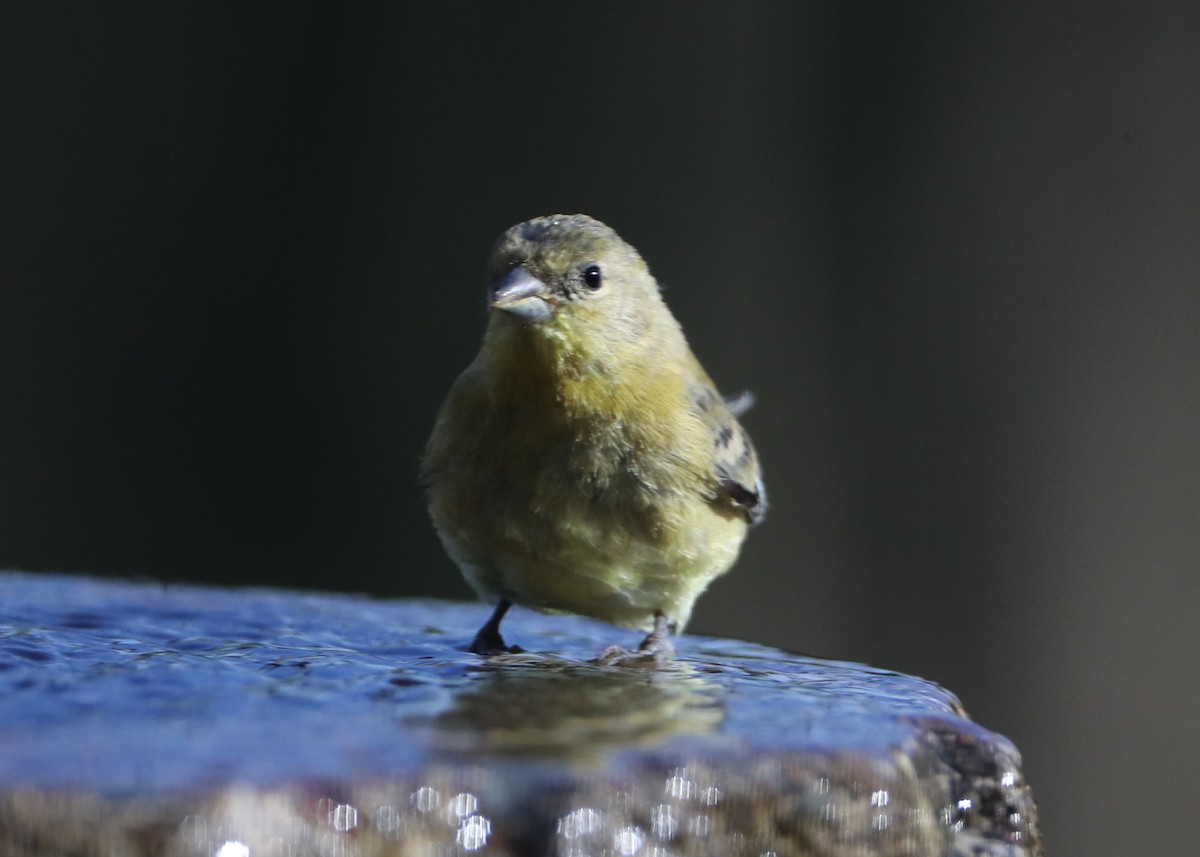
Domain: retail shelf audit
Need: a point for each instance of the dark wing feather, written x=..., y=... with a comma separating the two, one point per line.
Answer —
x=735, y=463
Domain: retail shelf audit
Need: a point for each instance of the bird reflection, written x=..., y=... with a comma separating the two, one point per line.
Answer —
x=540, y=706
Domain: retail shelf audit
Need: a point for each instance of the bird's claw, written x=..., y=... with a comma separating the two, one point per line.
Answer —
x=488, y=644
x=656, y=650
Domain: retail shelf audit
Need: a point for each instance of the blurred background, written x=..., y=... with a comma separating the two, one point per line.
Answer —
x=952, y=247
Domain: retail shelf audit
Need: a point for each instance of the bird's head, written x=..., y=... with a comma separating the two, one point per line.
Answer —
x=573, y=283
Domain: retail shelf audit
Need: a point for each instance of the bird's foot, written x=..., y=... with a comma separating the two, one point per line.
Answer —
x=656, y=650
x=488, y=641
x=488, y=644
x=615, y=656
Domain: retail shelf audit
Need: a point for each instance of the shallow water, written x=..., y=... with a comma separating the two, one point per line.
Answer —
x=142, y=687
x=204, y=717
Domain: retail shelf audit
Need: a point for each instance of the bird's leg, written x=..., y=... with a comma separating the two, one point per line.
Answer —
x=655, y=650
x=658, y=642
x=488, y=641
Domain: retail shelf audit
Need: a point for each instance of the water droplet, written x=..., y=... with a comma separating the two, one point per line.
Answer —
x=628, y=840
x=474, y=832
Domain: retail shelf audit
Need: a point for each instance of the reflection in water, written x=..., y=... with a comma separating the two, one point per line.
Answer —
x=537, y=706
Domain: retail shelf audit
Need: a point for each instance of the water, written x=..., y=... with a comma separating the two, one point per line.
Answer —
x=135, y=690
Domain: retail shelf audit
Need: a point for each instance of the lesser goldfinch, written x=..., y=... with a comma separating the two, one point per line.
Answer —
x=584, y=462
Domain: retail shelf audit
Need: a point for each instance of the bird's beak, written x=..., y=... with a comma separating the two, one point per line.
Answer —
x=523, y=294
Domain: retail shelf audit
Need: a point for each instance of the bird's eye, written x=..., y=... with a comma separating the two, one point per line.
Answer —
x=591, y=277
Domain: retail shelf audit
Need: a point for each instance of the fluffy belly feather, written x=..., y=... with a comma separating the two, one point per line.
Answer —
x=600, y=563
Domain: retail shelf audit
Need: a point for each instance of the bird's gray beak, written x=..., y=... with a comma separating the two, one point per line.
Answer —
x=523, y=294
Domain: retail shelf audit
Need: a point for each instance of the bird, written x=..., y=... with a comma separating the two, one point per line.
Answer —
x=584, y=461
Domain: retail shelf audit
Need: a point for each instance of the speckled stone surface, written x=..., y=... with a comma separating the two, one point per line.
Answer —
x=140, y=719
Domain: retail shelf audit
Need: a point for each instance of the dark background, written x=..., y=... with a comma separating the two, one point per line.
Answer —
x=952, y=247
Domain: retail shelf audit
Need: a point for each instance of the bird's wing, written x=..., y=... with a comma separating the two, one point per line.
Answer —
x=735, y=463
